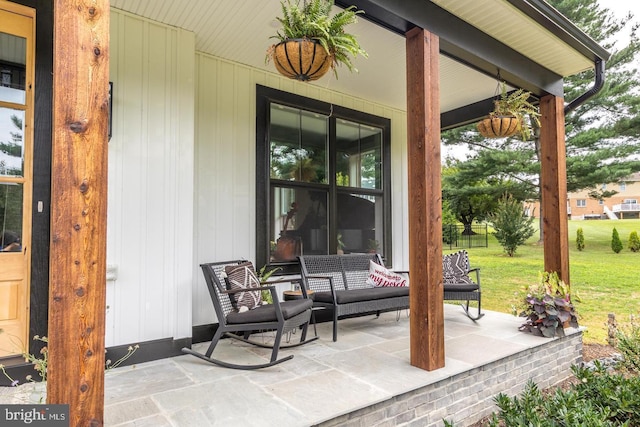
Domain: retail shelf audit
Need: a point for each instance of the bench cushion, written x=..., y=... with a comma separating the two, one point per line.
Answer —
x=461, y=287
x=267, y=312
x=364, y=294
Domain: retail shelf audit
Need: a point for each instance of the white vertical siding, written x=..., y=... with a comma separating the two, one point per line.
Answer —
x=150, y=212
x=182, y=175
x=225, y=164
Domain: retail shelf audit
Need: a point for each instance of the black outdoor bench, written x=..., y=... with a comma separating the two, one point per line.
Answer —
x=340, y=283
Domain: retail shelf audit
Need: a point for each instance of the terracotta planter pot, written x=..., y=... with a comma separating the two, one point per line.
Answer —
x=499, y=127
x=301, y=59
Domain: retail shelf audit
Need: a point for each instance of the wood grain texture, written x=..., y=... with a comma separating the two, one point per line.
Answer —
x=425, y=200
x=553, y=179
x=79, y=208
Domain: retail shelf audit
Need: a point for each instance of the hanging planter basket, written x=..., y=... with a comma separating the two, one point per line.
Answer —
x=499, y=126
x=301, y=59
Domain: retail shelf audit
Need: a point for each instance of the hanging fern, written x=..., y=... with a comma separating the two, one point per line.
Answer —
x=312, y=21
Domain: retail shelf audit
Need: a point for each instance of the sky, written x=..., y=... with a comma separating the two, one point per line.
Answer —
x=620, y=7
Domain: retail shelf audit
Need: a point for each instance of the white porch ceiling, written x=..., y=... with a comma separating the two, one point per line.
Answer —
x=239, y=31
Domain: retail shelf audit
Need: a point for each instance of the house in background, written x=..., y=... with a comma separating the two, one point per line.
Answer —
x=623, y=205
x=199, y=123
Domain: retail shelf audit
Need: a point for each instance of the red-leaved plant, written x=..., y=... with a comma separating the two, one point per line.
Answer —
x=547, y=306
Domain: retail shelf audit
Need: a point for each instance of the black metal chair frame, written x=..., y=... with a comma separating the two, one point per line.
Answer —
x=465, y=292
x=220, y=296
x=343, y=273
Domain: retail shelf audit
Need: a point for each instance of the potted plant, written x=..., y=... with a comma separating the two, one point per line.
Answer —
x=263, y=275
x=509, y=115
x=547, y=306
x=340, y=250
x=311, y=42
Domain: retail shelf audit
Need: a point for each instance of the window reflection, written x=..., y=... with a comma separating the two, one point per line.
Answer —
x=13, y=60
x=10, y=216
x=298, y=145
x=360, y=222
x=299, y=223
x=359, y=155
x=11, y=142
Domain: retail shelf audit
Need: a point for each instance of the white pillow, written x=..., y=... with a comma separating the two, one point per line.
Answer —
x=379, y=276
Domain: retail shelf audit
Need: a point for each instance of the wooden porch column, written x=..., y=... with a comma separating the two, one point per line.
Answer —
x=79, y=209
x=553, y=178
x=425, y=200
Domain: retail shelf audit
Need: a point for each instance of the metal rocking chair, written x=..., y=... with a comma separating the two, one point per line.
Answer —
x=281, y=317
x=457, y=282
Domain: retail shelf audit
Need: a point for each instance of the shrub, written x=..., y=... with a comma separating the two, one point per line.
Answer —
x=616, y=243
x=512, y=226
x=629, y=345
x=533, y=408
x=634, y=242
x=615, y=396
x=580, y=239
x=600, y=398
x=449, y=224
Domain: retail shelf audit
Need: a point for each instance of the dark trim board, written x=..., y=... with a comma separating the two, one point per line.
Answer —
x=147, y=351
x=19, y=373
x=203, y=333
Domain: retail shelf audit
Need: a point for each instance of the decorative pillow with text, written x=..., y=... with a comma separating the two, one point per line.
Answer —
x=379, y=276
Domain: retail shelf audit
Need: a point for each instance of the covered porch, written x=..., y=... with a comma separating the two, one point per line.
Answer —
x=182, y=182
x=363, y=379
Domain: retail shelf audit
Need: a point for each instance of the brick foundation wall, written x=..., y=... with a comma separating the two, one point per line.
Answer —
x=468, y=397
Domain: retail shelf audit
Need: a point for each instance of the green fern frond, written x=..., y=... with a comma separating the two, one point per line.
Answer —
x=313, y=21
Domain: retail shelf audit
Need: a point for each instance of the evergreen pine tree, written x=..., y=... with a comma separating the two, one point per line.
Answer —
x=616, y=243
x=580, y=239
x=634, y=242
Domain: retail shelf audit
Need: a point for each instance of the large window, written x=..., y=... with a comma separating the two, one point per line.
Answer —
x=322, y=179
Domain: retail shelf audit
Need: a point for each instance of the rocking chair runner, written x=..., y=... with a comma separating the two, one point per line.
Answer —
x=458, y=285
x=281, y=317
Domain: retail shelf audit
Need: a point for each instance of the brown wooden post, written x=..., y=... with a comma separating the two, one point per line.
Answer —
x=553, y=178
x=425, y=200
x=79, y=209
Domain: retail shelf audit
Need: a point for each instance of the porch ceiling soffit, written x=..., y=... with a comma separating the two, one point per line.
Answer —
x=532, y=51
x=528, y=41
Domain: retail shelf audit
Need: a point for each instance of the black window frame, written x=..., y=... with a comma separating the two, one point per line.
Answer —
x=265, y=96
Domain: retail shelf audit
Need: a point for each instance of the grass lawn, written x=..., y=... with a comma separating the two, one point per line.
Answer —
x=606, y=282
